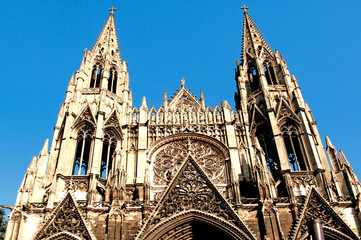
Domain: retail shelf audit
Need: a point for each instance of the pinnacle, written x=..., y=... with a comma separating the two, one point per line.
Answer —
x=343, y=158
x=329, y=143
x=144, y=102
x=44, y=150
x=32, y=165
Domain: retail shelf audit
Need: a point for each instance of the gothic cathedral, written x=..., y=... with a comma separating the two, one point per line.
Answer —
x=186, y=170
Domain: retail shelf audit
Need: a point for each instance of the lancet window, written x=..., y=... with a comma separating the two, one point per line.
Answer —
x=96, y=76
x=270, y=74
x=83, y=149
x=112, y=80
x=109, y=145
x=266, y=140
x=295, y=152
x=253, y=77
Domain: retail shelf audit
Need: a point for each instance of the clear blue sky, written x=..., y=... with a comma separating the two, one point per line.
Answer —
x=42, y=44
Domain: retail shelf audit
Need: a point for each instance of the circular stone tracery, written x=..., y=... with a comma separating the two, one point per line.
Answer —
x=169, y=158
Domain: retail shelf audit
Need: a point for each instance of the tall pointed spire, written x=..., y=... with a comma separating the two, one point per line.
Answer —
x=107, y=41
x=253, y=43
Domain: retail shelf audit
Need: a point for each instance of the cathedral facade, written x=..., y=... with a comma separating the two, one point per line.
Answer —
x=186, y=170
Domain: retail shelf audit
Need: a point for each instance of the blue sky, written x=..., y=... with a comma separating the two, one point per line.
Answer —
x=42, y=44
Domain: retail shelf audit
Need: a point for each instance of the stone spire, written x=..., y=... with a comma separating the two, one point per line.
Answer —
x=107, y=41
x=252, y=40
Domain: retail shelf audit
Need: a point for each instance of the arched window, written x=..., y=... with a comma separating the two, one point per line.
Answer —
x=99, y=75
x=109, y=144
x=93, y=77
x=270, y=74
x=96, y=76
x=83, y=148
x=253, y=77
x=266, y=140
x=112, y=80
x=295, y=153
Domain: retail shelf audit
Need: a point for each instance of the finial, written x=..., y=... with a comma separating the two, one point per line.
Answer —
x=183, y=82
x=244, y=8
x=112, y=9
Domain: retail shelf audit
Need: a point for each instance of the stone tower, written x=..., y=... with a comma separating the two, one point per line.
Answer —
x=186, y=170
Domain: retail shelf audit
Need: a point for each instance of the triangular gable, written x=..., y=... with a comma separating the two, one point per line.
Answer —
x=186, y=99
x=113, y=122
x=86, y=115
x=316, y=207
x=66, y=219
x=257, y=117
x=191, y=189
x=285, y=111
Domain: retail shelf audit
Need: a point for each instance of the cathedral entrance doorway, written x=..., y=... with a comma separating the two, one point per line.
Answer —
x=195, y=225
x=195, y=230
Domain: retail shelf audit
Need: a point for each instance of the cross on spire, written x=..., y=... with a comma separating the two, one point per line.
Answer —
x=244, y=8
x=112, y=9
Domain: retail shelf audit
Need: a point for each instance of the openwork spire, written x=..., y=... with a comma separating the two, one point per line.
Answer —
x=253, y=43
x=107, y=41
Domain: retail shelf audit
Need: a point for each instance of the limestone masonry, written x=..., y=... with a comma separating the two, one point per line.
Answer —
x=186, y=170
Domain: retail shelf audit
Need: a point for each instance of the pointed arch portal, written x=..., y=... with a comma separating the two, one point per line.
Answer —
x=194, y=225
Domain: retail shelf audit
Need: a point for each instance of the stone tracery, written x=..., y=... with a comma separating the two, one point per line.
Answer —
x=168, y=159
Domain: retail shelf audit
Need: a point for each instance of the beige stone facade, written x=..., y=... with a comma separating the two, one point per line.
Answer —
x=186, y=170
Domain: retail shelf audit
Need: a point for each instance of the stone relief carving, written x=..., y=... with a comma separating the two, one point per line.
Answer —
x=65, y=218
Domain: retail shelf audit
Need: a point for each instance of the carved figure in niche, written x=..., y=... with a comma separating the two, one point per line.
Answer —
x=218, y=117
x=201, y=117
x=177, y=117
x=161, y=117
x=170, y=117
x=210, y=117
x=185, y=117
x=194, y=117
x=134, y=118
x=152, y=118
x=236, y=117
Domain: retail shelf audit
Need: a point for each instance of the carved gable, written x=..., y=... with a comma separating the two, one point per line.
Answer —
x=65, y=220
x=284, y=112
x=189, y=190
x=257, y=117
x=316, y=207
x=112, y=122
x=184, y=101
x=86, y=115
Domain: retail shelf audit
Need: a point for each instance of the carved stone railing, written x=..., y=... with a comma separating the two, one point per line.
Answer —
x=281, y=200
x=101, y=204
x=131, y=204
x=76, y=182
x=247, y=201
x=91, y=91
x=82, y=203
x=344, y=198
x=304, y=178
x=277, y=87
x=37, y=205
x=113, y=96
x=217, y=131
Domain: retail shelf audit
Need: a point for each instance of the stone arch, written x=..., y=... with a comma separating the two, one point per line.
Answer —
x=184, y=136
x=63, y=235
x=173, y=225
x=329, y=234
